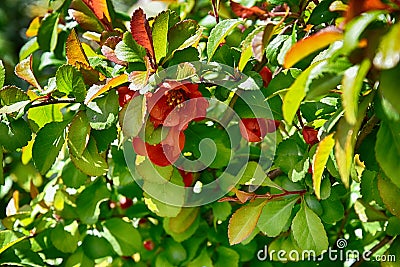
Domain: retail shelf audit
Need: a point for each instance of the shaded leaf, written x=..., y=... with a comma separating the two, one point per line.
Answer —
x=90, y=162
x=72, y=177
x=133, y=117
x=355, y=8
x=63, y=240
x=244, y=221
x=24, y=71
x=48, y=143
x=308, y=231
x=389, y=87
x=387, y=150
x=246, y=12
x=78, y=134
x=218, y=34
x=183, y=220
x=320, y=159
x=48, y=32
x=390, y=194
x=15, y=134
x=311, y=44
x=89, y=200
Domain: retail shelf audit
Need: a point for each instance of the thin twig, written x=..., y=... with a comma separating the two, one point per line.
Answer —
x=54, y=101
x=386, y=240
x=366, y=130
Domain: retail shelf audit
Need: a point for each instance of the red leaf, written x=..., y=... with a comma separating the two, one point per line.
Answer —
x=141, y=33
x=100, y=10
x=246, y=12
x=356, y=7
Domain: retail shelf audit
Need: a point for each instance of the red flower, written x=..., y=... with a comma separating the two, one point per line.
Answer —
x=164, y=153
x=310, y=135
x=266, y=75
x=255, y=129
x=175, y=104
x=187, y=177
x=125, y=95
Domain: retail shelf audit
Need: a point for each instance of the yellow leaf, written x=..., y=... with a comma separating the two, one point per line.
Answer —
x=313, y=43
x=33, y=27
x=74, y=50
x=97, y=90
x=24, y=71
x=321, y=157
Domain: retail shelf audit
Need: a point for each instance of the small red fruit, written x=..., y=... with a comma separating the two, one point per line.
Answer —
x=125, y=95
x=255, y=129
x=125, y=202
x=266, y=75
x=187, y=177
x=310, y=135
x=148, y=245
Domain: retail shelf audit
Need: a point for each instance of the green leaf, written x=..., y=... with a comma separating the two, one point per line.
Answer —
x=322, y=14
x=296, y=93
x=356, y=27
x=105, y=137
x=246, y=48
x=11, y=94
x=389, y=87
x=351, y=87
x=203, y=260
x=46, y=114
x=64, y=240
x=390, y=194
x=162, y=23
x=129, y=50
x=218, y=34
x=369, y=183
x=9, y=238
x=90, y=162
x=308, y=231
x=103, y=111
x=153, y=173
x=244, y=221
x=345, y=139
x=187, y=234
x=183, y=35
x=78, y=134
x=183, y=220
x=393, y=227
x=28, y=48
x=133, y=116
x=47, y=145
x=333, y=210
x=96, y=247
x=123, y=237
x=79, y=259
x=387, y=150
x=72, y=177
x=88, y=202
x=175, y=252
x=1, y=167
x=221, y=210
x=160, y=208
x=227, y=257
x=70, y=81
x=388, y=54
x=300, y=169
x=275, y=216
x=288, y=154
x=48, y=32
x=320, y=159
x=2, y=74
x=14, y=135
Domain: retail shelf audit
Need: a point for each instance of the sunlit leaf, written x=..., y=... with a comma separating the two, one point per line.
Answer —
x=244, y=221
x=162, y=23
x=70, y=81
x=351, y=86
x=33, y=27
x=85, y=17
x=24, y=71
x=129, y=50
x=100, y=10
x=74, y=50
x=308, y=230
x=97, y=90
x=218, y=34
x=182, y=35
x=246, y=48
x=388, y=54
x=103, y=111
x=311, y=44
x=324, y=149
x=48, y=32
x=90, y=162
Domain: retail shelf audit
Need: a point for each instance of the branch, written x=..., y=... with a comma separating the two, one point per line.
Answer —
x=228, y=115
x=274, y=173
x=54, y=101
x=386, y=240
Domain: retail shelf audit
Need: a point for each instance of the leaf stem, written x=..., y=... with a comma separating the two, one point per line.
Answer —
x=366, y=130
